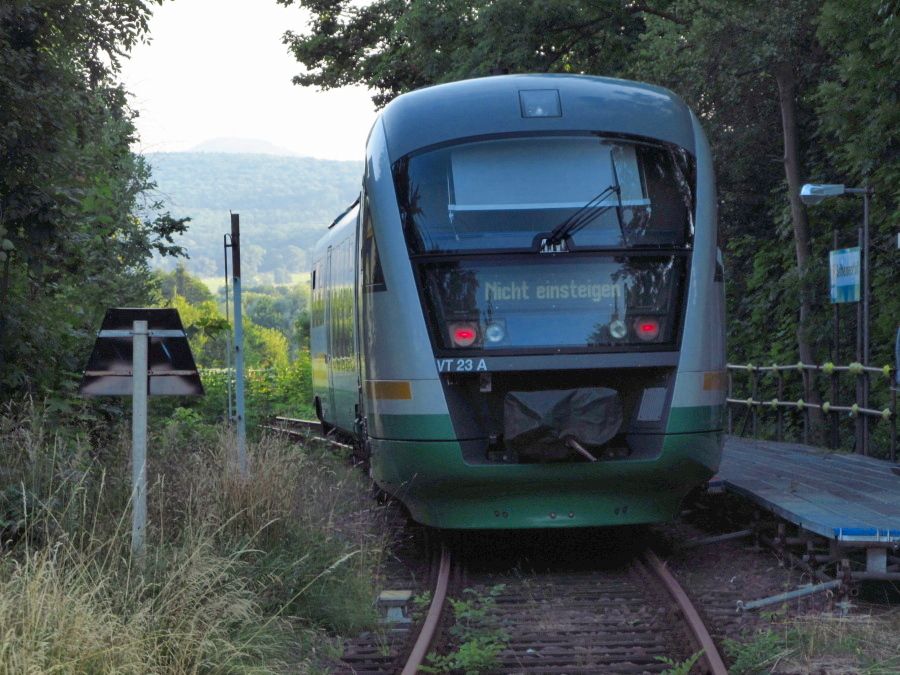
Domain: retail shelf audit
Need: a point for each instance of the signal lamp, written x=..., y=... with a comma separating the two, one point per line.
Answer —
x=647, y=328
x=495, y=332
x=463, y=334
x=617, y=329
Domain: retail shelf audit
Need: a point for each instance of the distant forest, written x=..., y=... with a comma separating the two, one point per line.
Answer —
x=285, y=204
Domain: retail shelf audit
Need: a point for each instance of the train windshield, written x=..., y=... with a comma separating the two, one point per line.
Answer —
x=523, y=193
x=577, y=302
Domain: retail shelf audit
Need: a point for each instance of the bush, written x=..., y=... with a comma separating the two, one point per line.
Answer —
x=286, y=390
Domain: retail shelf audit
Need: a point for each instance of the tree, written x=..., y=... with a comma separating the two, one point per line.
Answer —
x=748, y=68
x=393, y=46
x=859, y=122
x=183, y=283
x=70, y=243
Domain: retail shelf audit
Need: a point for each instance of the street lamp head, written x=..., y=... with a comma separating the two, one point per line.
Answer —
x=811, y=194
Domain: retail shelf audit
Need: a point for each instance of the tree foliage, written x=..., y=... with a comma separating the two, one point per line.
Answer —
x=180, y=282
x=70, y=244
x=393, y=46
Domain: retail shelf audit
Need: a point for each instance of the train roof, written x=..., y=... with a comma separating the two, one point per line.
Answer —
x=342, y=227
x=492, y=105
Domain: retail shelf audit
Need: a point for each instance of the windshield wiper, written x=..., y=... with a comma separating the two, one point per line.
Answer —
x=618, y=189
x=590, y=212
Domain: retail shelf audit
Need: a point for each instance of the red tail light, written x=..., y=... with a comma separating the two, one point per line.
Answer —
x=646, y=328
x=463, y=334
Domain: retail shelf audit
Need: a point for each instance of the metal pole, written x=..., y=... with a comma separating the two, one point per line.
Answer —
x=865, y=299
x=835, y=354
x=139, y=438
x=238, y=343
x=790, y=595
x=230, y=407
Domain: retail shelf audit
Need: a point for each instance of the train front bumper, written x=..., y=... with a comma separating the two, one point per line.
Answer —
x=442, y=490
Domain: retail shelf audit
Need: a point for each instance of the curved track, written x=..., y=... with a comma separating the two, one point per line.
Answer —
x=623, y=619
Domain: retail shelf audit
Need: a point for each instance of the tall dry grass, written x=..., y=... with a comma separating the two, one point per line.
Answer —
x=240, y=572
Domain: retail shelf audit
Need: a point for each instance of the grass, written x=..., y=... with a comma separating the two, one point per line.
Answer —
x=858, y=644
x=241, y=575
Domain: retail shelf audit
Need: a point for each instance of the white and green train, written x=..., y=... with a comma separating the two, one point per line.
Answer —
x=520, y=323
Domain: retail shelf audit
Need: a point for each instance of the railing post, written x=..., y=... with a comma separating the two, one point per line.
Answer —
x=730, y=406
x=835, y=417
x=804, y=376
x=894, y=419
x=865, y=404
x=860, y=433
x=779, y=412
x=754, y=387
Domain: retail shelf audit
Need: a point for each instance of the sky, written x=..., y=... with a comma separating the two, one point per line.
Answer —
x=217, y=68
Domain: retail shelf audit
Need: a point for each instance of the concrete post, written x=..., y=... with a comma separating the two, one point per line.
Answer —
x=140, y=344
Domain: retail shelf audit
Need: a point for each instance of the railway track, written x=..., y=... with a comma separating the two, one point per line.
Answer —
x=300, y=429
x=621, y=620
x=624, y=617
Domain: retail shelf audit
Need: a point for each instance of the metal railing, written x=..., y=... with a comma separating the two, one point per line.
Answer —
x=806, y=407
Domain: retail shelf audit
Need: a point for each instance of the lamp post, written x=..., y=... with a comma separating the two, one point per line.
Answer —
x=812, y=194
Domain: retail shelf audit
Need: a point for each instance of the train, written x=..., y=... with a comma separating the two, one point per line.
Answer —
x=520, y=321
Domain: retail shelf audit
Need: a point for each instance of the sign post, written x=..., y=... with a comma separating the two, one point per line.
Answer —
x=139, y=438
x=140, y=352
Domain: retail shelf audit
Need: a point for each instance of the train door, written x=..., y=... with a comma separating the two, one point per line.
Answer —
x=328, y=403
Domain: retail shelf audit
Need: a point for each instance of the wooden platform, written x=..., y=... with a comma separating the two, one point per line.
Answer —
x=847, y=498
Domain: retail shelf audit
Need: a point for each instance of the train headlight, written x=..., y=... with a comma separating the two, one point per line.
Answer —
x=463, y=334
x=617, y=329
x=646, y=328
x=495, y=332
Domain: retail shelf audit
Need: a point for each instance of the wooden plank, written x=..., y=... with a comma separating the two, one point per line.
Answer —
x=872, y=471
x=830, y=469
x=795, y=488
x=881, y=502
x=830, y=494
x=869, y=468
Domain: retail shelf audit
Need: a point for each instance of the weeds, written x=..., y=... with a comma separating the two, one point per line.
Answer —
x=679, y=667
x=242, y=575
x=480, y=637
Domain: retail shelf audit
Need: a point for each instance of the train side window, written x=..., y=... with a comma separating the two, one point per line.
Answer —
x=317, y=310
x=373, y=275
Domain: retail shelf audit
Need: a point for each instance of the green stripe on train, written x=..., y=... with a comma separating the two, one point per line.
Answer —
x=684, y=420
x=412, y=427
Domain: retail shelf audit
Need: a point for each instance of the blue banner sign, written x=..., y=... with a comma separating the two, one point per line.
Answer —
x=845, y=275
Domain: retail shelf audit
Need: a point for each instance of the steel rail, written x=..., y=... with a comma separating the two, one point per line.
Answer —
x=710, y=654
x=429, y=627
x=309, y=431
x=292, y=421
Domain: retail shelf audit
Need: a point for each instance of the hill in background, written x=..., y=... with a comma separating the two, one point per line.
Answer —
x=246, y=146
x=286, y=203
